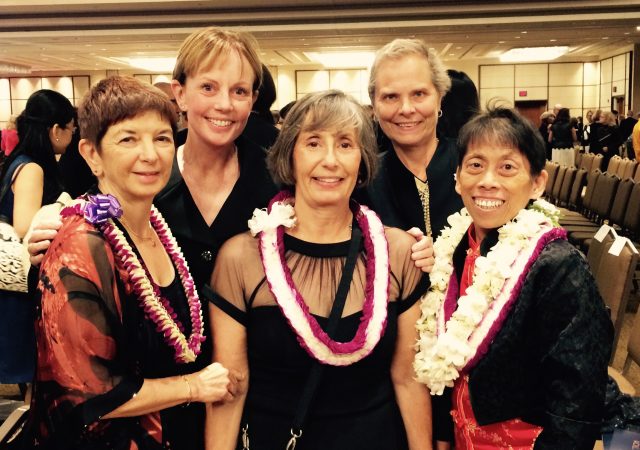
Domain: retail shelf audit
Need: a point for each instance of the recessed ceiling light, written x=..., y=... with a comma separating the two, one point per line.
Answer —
x=552, y=40
x=533, y=54
x=501, y=42
x=605, y=37
x=517, y=37
x=637, y=28
x=458, y=48
x=523, y=32
x=452, y=54
x=628, y=32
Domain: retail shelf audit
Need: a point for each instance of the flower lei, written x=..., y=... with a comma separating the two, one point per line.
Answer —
x=446, y=349
x=99, y=210
x=269, y=226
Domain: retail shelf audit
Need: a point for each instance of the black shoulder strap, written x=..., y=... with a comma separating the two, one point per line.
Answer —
x=334, y=317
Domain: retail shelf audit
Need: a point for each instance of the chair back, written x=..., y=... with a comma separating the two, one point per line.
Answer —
x=552, y=170
x=614, y=276
x=631, y=221
x=596, y=162
x=579, y=181
x=592, y=181
x=614, y=163
x=567, y=183
x=629, y=169
x=12, y=426
x=557, y=184
x=636, y=174
x=604, y=194
x=586, y=161
x=620, y=201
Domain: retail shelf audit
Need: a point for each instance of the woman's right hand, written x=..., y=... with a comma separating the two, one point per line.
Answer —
x=215, y=383
x=40, y=239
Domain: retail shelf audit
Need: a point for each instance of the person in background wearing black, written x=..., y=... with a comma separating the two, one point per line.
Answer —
x=260, y=127
x=458, y=105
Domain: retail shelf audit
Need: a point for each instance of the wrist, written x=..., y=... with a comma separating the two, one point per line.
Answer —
x=189, y=390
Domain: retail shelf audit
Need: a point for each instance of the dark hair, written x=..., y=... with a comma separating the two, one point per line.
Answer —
x=458, y=105
x=563, y=116
x=266, y=96
x=285, y=110
x=317, y=111
x=44, y=109
x=119, y=98
x=506, y=127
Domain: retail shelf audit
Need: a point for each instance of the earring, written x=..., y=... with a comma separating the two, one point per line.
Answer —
x=57, y=139
x=439, y=113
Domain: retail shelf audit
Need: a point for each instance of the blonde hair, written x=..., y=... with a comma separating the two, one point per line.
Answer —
x=330, y=109
x=608, y=118
x=400, y=48
x=203, y=47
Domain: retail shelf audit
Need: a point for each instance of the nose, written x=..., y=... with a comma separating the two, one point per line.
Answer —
x=330, y=159
x=406, y=105
x=488, y=180
x=222, y=101
x=148, y=151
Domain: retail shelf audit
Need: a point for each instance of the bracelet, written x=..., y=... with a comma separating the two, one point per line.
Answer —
x=186, y=380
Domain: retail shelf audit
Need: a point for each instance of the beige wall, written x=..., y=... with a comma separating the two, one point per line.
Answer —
x=579, y=86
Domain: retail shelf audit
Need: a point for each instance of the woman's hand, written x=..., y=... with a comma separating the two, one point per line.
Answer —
x=40, y=239
x=605, y=149
x=422, y=250
x=214, y=383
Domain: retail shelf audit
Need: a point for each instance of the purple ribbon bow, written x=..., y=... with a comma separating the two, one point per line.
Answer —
x=101, y=207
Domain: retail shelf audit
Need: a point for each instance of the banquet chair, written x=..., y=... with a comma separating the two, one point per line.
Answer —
x=13, y=424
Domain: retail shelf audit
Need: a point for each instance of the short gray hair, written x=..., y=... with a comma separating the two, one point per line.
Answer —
x=399, y=48
x=317, y=111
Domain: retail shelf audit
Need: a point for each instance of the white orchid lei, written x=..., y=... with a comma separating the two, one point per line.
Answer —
x=446, y=349
x=269, y=227
x=100, y=210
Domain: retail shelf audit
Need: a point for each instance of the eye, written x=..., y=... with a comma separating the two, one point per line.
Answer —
x=165, y=139
x=389, y=97
x=243, y=92
x=127, y=140
x=207, y=87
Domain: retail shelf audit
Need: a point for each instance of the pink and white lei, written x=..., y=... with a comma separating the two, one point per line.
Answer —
x=269, y=226
x=444, y=349
x=99, y=210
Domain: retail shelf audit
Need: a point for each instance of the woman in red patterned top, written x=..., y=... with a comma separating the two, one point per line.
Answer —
x=120, y=321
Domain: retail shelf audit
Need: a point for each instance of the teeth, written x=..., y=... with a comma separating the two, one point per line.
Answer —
x=407, y=124
x=328, y=180
x=489, y=204
x=220, y=123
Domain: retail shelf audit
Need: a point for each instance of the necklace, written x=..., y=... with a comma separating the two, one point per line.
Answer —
x=423, y=193
x=151, y=238
x=445, y=349
x=99, y=210
x=269, y=227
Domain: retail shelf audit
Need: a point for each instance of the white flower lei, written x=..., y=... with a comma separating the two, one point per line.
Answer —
x=269, y=228
x=443, y=349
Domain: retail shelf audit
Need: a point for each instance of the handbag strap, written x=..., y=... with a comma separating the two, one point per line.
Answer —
x=315, y=373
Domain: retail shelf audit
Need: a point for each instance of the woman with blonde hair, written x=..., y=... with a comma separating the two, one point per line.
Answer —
x=608, y=138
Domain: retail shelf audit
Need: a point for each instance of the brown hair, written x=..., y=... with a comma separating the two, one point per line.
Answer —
x=399, y=48
x=119, y=98
x=331, y=109
x=203, y=47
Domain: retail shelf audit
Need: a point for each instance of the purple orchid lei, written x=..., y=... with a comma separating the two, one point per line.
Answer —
x=99, y=210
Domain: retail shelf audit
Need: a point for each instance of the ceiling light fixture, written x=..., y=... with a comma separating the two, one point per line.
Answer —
x=533, y=54
x=151, y=64
x=342, y=59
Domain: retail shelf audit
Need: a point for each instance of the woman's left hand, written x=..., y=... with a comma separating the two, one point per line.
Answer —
x=422, y=250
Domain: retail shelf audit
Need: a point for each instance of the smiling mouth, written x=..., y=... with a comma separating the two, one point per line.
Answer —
x=327, y=180
x=220, y=123
x=487, y=204
x=407, y=124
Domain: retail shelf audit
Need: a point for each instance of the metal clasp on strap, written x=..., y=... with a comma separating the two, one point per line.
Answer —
x=245, y=437
x=291, y=445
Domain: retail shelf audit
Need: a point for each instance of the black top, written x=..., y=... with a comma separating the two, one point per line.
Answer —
x=561, y=135
x=548, y=363
x=354, y=406
x=394, y=196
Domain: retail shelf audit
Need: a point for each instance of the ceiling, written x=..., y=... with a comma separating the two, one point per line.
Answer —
x=70, y=35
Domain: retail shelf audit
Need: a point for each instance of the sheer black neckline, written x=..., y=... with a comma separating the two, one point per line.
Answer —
x=313, y=249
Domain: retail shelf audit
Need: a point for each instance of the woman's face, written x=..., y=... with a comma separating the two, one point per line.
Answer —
x=135, y=159
x=495, y=183
x=406, y=101
x=326, y=164
x=61, y=137
x=218, y=100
